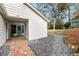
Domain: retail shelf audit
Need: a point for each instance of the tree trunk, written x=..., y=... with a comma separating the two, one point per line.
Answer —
x=54, y=24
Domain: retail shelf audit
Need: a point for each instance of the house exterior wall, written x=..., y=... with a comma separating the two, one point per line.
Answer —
x=75, y=24
x=17, y=10
x=2, y=31
x=37, y=26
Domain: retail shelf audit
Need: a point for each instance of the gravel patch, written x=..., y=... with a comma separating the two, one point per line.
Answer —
x=50, y=46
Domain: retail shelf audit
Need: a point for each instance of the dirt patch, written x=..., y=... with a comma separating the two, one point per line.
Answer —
x=56, y=32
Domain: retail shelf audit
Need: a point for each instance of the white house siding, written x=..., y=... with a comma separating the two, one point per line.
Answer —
x=37, y=28
x=2, y=31
x=37, y=25
x=17, y=10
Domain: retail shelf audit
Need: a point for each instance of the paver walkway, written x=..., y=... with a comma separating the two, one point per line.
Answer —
x=50, y=46
x=19, y=47
x=16, y=46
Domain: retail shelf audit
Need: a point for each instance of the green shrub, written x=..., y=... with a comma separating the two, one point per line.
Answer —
x=50, y=26
x=67, y=25
x=59, y=24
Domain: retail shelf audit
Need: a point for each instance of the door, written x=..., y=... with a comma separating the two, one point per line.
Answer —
x=19, y=30
x=13, y=30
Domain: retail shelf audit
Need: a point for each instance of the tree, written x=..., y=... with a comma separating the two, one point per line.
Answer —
x=58, y=8
x=50, y=26
x=59, y=24
x=62, y=6
x=52, y=10
x=67, y=25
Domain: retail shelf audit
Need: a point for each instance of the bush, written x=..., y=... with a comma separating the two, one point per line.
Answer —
x=67, y=25
x=72, y=39
x=50, y=26
x=59, y=24
x=72, y=27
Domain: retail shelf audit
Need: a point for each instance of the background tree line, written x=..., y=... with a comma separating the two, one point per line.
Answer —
x=56, y=13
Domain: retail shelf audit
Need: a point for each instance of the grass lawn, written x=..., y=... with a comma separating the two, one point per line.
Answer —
x=56, y=32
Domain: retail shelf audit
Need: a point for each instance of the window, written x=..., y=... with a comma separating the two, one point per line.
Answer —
x=22, y=28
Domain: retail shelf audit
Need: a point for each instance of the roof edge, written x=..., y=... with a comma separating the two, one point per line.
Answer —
x=36, y=11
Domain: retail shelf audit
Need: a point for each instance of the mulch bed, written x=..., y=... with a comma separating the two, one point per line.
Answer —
x=72, y=39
